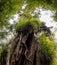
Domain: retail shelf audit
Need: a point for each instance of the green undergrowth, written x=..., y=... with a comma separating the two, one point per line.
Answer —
x=48, y=46
x=3, y=53
x=3, y=49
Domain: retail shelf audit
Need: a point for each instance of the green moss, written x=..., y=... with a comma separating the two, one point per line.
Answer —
x=24, y=22
x=48, y=46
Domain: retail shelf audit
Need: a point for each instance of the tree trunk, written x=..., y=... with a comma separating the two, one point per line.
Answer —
x=26, y=50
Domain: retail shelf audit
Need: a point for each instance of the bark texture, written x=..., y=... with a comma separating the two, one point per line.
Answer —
x=25, y=50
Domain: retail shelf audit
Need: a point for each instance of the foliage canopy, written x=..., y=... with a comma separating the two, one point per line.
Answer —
x=11, y=7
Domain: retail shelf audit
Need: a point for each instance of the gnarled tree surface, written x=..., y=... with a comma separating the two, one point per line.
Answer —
x=25, y=50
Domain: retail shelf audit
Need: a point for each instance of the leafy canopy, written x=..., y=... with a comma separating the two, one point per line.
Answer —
x=11, y=7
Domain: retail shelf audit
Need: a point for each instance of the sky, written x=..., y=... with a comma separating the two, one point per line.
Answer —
x=46, y=16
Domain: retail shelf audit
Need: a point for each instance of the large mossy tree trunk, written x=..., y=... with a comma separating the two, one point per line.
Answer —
x=26, y=50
